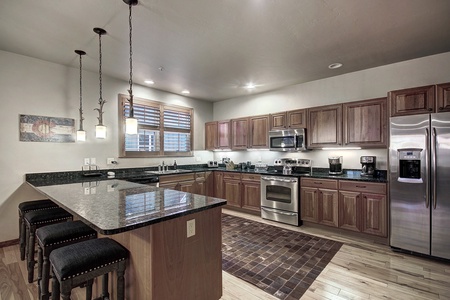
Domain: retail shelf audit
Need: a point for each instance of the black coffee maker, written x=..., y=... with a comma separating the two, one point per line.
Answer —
x=368, y=166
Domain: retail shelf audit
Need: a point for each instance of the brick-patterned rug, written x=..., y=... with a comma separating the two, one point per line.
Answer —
x=281, y=262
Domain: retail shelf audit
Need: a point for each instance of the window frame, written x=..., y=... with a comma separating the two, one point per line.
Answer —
x=162, y=106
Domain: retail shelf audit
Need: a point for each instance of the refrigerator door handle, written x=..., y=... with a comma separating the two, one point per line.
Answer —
x=427, y=184
x=434, y=167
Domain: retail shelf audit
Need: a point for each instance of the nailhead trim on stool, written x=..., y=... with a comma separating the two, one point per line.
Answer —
x=25, y=207
x=52, y=237
x=34, y=220
x=82, y=262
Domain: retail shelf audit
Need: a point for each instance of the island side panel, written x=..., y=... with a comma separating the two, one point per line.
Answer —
x=188, y=268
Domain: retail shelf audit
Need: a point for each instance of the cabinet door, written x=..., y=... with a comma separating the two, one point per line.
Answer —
x=223, y=135
x=232, y=192
x=374, y=215
x=259, y=132
x=443, y=97
x=296, y=118
x=349, y=203
x=413, y=101
x=209, y=184
x=170, y=185
x=211, y=139
x=239, y=134
x=218, y=184
x=200, y=183
x=365, y=123
x=309, y=204
x=187, y=186
x=251, y=195
x=325, y=126
x=328, y=207
x=278, y=121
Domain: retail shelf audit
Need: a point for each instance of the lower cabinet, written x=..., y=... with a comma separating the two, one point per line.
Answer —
x=351, y=205
x=195, y=183
x=242, y=191
x=232, y=188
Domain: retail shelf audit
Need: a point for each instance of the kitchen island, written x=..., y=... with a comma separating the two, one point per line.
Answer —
x=174, y=237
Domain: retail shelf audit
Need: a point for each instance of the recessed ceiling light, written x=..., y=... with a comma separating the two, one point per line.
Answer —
x=185, y=92
x=335, y=66
x=250, y=86
x=149, y=81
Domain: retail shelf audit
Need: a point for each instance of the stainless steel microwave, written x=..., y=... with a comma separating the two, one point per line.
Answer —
x=287, y=140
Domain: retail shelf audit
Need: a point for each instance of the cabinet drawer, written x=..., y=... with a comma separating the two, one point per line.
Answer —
x=228, y=175
x=200, y=175
x=363, y=187
x=176, y=178
x=319, y=183
x=251, y=177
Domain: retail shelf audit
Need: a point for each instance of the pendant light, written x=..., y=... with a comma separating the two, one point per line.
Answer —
x=81, y=134
x=100, y=129
x=131, y=123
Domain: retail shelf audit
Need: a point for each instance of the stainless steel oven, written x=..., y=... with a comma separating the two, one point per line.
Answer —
x=280, y=199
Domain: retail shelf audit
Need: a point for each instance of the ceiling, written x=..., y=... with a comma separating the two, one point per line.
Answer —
x=214, y=48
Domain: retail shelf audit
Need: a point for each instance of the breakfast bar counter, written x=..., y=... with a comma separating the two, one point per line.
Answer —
x=174, y=237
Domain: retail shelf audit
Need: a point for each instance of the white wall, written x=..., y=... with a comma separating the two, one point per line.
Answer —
x=361, y=85
x=36, y=87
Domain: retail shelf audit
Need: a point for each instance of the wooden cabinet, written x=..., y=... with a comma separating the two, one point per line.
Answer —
x=218, y=184
x=217, y=135
x=251, y=192
x=179, y=182
x=232, y=188
x=324, y=126
x=288, y=119
x=412, y=101
x=319, y=201
x=443, y=97
x=362, y=207
x=209, y=183
x=258, y=132
x=365, y=123
x=200, y=183
x=211, y=138
x=239, y=134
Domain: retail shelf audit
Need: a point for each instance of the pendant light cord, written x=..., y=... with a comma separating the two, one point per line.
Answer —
x=101, y=101
x=130, y=91
x=81, y=94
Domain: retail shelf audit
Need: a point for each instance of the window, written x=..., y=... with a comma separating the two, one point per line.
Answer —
x=163, y=130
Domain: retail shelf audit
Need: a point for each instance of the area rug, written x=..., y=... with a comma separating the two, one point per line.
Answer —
x=281, y=262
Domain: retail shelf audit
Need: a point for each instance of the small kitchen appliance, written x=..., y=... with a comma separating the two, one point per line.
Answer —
x=335, y=165
x=368, y=165
x=213, y=164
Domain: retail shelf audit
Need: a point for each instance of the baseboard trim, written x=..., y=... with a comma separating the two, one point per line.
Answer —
x=9, y=243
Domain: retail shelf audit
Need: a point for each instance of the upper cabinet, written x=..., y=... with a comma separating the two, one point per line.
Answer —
x=443, y=97
x=365, y=123
x=259, y=132
x=239, y=133
x=289, y=119
x=412, y=101
x=217, y=135
x=324, y=126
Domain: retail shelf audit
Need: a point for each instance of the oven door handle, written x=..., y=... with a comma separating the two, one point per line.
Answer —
x=278, y=212
x=279, y=180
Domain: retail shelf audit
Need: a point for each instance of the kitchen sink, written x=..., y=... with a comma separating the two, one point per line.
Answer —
x=168, y=171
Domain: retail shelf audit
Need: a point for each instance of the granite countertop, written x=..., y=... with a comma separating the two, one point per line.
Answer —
x=114, y=206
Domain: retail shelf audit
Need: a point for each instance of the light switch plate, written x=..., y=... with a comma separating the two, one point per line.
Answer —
x=93, y=161
x=87, y=161
x=190, y=228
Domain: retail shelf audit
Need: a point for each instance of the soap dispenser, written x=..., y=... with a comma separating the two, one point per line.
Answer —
x=174, y=164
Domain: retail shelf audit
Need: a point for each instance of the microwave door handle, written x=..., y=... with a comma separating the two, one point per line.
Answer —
x=434, y=167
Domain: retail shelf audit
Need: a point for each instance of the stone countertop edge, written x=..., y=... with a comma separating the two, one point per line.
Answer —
x=125, y=228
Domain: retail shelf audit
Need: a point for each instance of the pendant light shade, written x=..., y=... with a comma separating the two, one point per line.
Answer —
x=81, y=134
x=131, y=123
x=100, y=129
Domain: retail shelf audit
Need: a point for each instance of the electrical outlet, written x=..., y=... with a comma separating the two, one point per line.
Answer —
x=87, y=161
x=109, y=160
x=93, y=161
x=190, y=228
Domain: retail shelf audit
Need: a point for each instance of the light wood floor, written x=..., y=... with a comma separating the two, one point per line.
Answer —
x=360, y=270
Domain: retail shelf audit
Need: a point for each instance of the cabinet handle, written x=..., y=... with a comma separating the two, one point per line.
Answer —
x=317, y=182
x=430, y=109
x=441, y=108
x=361, y=186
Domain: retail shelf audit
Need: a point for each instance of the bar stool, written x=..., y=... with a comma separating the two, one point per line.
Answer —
x=82, y=262
x=25, y=207
x=34, y=220
x=55, y=236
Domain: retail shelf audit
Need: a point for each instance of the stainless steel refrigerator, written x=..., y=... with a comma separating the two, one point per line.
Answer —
x=419, y=168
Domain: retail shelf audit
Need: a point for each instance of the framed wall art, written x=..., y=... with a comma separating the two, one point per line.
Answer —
x=46, y=129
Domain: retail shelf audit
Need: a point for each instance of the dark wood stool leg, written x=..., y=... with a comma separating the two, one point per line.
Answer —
x=22, y=237
x=121, y=280
x=39, y=275
x=105, y=293
x=89, y=289
x=55, y=288
x=31, y=230
x=45, y=294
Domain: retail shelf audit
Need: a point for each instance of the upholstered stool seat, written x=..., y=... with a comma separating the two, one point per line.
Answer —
x=25, y=207
x=55, y=236
x=34, y=220
x=82, y=262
